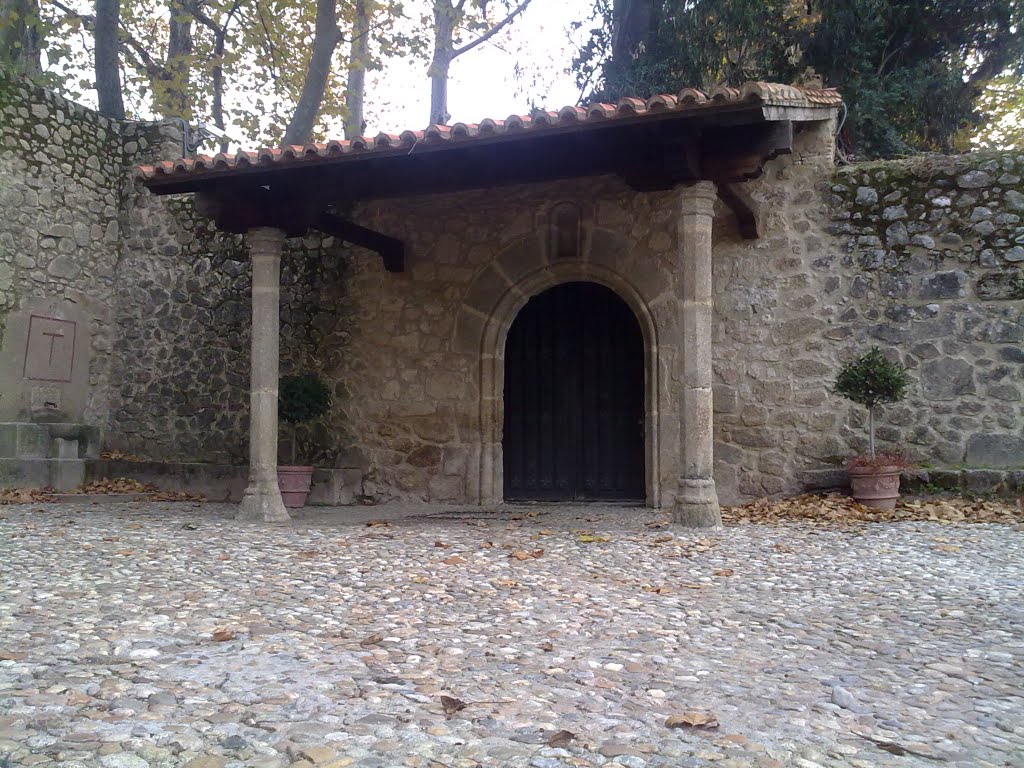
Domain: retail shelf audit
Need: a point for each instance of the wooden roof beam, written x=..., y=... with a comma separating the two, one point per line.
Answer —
x=391, y=250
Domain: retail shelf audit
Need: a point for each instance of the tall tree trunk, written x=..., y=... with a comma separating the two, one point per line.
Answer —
x=19, y=36
x=108, y=63
x=631, y=28
x=446, y=18
x=220, y=33
x=444, y=52
x=217, y=108
x=171, y=86
x=326, y=37
x=355, y=90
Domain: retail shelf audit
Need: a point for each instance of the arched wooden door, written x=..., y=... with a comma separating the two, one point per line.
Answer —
x=574, y=398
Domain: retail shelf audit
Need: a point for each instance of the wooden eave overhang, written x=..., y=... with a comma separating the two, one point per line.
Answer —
x=725, y=136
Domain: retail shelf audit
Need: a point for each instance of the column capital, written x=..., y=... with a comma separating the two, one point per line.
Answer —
x=698, y=199
x=265, y=241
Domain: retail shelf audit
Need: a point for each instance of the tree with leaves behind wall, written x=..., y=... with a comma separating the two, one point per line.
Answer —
x=912, y=72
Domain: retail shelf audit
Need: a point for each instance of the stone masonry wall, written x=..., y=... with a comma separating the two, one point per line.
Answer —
x=164, y=298
x=60, y=170
x=921, y=258
x=183, y=318
x=409, y=411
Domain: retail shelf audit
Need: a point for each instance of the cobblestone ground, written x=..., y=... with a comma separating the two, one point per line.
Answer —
x=137, y=635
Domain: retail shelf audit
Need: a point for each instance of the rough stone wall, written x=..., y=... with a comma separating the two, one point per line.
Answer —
x=60, y=170
x=183, y=314
x=409, y=410
x=921, y=258
x=163, y=297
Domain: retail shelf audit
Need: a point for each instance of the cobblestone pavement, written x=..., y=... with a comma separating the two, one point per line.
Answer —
x=136, y=635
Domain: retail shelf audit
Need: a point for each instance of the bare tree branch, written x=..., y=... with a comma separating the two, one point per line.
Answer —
x=492, y=31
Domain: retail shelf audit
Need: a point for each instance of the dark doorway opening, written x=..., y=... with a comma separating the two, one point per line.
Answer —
x=574, y=398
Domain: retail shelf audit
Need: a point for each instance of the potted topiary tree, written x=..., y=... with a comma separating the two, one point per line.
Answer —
x=872, y=380
x=300, y=398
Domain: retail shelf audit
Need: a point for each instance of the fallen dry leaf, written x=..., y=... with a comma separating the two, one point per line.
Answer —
x=454, y=560
x=704, y=720
x=834, y=508
x=591, y=538
x=25, y=496
x=658, y=590
x=120, y=456
x=520, y=554
x=560, y=738
x=452, y=705
x=420, y=579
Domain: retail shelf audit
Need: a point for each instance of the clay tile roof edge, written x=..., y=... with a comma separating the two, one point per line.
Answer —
x=688, y=100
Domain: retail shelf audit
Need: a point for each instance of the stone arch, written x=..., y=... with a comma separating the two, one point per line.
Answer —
x=492, y=303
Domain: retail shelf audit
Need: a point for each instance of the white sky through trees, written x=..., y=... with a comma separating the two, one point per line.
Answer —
x=483, y=82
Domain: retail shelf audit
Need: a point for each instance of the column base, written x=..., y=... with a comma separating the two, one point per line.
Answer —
x=697, y=504
x=263, y=504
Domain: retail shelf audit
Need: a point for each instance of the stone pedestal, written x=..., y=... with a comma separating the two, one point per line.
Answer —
x=46, y=455
x=262, y=498
x=697, y=500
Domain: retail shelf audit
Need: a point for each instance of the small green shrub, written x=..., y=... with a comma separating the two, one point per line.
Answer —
x=302, y=397
x=872, y=380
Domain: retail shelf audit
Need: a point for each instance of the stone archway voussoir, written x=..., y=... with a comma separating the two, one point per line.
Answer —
x=521, y=259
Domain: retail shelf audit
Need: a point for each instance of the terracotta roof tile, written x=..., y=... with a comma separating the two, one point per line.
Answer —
x=687, y=100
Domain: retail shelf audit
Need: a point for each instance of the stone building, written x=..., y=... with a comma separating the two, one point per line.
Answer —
x=518, y=309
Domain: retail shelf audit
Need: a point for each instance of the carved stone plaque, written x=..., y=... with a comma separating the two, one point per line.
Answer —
x=50, y=349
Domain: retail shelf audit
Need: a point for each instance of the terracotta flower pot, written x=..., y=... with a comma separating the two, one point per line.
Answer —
x=294, y=483
x=877, y=487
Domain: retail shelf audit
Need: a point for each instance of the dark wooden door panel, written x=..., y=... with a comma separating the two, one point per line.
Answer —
x=574, y=391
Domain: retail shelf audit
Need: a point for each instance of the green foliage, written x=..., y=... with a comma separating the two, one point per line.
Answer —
x=302, y=397
x=253, y=52
x=1001, y=106
x=911, y=72
x=872, y=379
